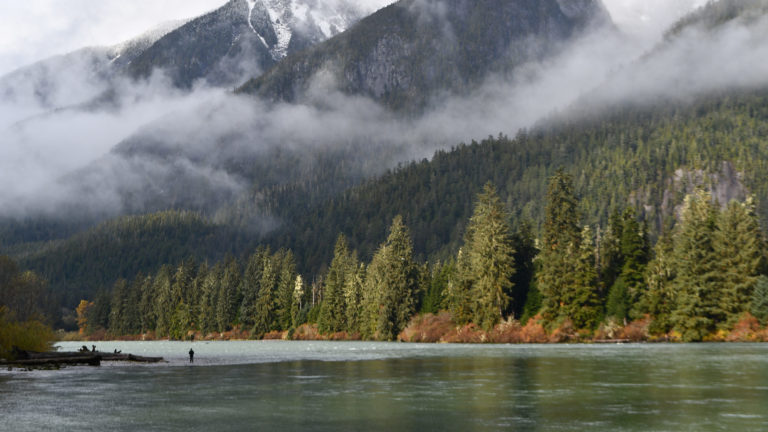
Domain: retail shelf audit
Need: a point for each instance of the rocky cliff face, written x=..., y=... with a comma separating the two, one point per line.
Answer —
x=414, y=49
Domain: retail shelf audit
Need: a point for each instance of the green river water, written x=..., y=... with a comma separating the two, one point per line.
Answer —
x=362, y=386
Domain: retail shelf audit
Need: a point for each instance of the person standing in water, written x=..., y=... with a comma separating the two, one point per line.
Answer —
x=191, y=355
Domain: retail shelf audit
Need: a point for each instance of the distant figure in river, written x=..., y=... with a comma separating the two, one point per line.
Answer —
x=84, y=349
x=94, y=348
x=118, y=352
x=191, y=355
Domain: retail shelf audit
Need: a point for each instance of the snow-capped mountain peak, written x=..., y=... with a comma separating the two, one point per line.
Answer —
x=316, y=20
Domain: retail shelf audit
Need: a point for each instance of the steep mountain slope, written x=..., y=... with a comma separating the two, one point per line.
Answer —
x=223, y=48
x=647, y=155
x=241, y=39
x=308, y=153
x=231, y=145
x=717, y=14
x=675, y=120
x=78, y=76
x=413, y=49
x=640, y=158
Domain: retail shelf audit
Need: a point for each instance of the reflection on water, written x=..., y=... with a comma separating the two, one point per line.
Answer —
x=371, y=386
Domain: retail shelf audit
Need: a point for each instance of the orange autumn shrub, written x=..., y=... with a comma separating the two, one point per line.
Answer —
x=636, y=331
x=428, y=328
x=564, y=333
x=469, y=333
x=307, y=332
x=510, y=332
x=747, y=329
x=534, y=332
x=608, y=330
x=274, y=335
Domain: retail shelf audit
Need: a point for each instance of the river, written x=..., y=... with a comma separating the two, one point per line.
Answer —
x=365, y=386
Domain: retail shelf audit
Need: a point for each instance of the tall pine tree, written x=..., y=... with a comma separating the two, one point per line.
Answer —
x=392, y=284
x=333, y=310
x=698, y=307
x=560, y=248
x=489, y=265
x=740, y=250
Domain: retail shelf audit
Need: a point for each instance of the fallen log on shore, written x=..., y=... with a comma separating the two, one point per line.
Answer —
x=56, y=359
x=68, y=359
x=130, y=357
x=612, y=341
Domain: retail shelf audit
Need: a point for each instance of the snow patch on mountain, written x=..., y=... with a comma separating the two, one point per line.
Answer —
x=251, y=6
x=281, y=15
x=134, y=46
x=319, y=20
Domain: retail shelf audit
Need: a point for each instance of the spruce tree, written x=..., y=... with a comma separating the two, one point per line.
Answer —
x=609, y=257
x=698, y=308
x=582, y=301
x=264, y=314
x=659, y=299
x=353, y=293
x=333, y=310
x=118, y=308
x=524, y=244
x=228, y=297
x=285, y=287
x=392, y=283
x=759, y=303
x=435, y=297
x=490, y=262
x=209, y=292
x=133, y=308
x=147, y=312
x=459, y=290
x=163, y=301
x=740, y=250
x=299, y=304
x=560, y=247
x=628, y=288
x=250, y=286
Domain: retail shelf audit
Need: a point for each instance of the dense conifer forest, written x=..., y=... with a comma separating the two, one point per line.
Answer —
x=698, y=282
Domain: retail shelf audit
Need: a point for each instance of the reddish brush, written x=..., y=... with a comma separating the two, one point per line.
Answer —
x=747, y=329
x=307, y=332
x=428, y=328
x=507, y=332
x=636, y=331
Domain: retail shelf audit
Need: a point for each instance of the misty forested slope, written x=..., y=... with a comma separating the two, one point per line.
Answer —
x=648, y=159
x=290, y=177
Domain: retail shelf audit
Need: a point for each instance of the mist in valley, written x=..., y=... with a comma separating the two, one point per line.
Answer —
x=149, y=146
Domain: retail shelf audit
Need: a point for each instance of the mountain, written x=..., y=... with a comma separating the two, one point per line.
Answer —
x=307, y=189
x=227, y=147
x=223, y=48
x=717, y=14
x=239, y=160
x=412, y=50
x=75, y=77
x=241, y=39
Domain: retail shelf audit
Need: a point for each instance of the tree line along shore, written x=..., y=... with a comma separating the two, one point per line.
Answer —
x=703, y=280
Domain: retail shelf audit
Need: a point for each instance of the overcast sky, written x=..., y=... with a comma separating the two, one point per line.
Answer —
x=31, y=30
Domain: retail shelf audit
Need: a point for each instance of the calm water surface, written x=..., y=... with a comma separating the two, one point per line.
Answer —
x=361, y=386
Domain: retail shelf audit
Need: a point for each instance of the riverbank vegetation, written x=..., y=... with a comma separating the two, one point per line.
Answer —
x=23, y=303
x=704, y=279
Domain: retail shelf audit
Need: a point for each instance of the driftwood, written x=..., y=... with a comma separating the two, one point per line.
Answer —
x=59, y=360
x=55, y=359
x=130, y=357
x=612, y=341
